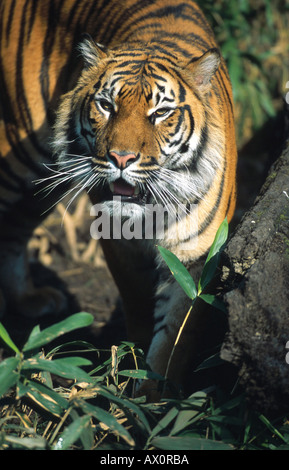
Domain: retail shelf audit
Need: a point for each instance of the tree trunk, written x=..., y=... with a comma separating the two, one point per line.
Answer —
x=255, y=279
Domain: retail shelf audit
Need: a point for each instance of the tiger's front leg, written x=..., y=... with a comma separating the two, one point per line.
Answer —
x=176, y=347
x=155, y=307
x=135, y=275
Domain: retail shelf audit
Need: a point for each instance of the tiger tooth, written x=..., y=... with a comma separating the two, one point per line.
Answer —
x=111, y=187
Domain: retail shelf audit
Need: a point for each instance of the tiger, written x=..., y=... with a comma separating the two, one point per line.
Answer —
x=130, y=101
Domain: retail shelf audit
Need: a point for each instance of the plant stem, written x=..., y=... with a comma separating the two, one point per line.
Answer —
x=177, y=338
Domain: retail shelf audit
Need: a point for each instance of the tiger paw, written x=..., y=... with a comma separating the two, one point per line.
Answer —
x=40, y=302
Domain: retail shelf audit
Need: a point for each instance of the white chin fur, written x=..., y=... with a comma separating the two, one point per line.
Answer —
x=116, y=208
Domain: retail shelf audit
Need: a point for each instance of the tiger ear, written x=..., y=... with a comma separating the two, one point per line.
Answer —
x=203, y=68
x=91, y=51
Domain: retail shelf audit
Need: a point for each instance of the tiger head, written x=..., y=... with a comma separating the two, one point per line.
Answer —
x=139, y=125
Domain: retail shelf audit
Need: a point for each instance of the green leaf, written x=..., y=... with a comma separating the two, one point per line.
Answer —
x=22, y=389
x=125, y=405
x=141, y=374
x=71, y=344
x=219, y=240
x=28, y=443
x=8, y=373
x=229, y=405
x=188, y=443
x=272, y=428
x=46, y=398
x=6, y=338
x=108, y=419
x=87, y=435
x=66, y=367
x=212, y=361
x=214, y=301
x=193, y=408
x=213, y=256
x=180, y=273
x=164, y=422
x=78, y=320
x=72, y=433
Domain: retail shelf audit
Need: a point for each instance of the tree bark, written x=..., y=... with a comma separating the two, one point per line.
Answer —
x=255, y=280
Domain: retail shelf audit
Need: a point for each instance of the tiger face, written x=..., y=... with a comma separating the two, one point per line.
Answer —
x=136, y=127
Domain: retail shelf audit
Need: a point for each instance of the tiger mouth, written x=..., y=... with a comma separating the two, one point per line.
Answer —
x=128, y=192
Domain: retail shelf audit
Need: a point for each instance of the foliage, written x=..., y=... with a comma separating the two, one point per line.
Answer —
x=59, y=401
x=253, y=36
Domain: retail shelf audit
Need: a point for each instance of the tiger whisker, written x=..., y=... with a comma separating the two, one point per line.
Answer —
x=58, y=180
x=83, y=186
x=162, y=193
x=178, y=180
x=166, y=192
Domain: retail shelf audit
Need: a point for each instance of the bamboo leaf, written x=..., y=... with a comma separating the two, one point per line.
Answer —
x=108, y=419
x=72, y=433
x=141, y=374
x=188, y=443
x=193, y=408
x=66, y=367
x=214, y=301
x=180, y=273
x=27, y=443
x=6, y=338
x=46, y=398
x=212, y=361
x=272, y=428
x=125, y=405
x=164, y=422
x=213, y=256
x=78, y=320
x=8, y=373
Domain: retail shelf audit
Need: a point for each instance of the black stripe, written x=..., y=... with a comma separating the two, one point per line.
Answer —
x=198, y=152
x=20, y=91
x=23, y=106
x=211, y=215
x=32, y=18
x=10, y=19
x=177, y=11
x=229, y=201
x=120, y=22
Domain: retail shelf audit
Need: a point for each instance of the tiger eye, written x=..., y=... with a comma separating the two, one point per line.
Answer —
x=161, y=112
x=106, y=106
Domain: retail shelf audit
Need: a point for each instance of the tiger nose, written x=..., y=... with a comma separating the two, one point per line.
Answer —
x=122, y=160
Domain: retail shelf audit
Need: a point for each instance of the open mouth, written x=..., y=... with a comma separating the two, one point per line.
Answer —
x=127, y=192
